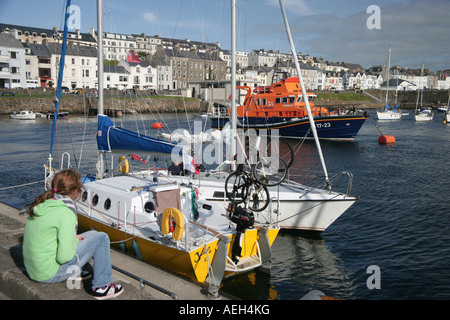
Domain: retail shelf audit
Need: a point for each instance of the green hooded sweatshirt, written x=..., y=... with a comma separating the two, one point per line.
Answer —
x=49, y=239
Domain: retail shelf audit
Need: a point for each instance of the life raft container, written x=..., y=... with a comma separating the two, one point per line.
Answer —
x=172, y=215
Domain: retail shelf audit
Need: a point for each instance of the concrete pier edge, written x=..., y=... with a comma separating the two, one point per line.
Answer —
x=16, y=285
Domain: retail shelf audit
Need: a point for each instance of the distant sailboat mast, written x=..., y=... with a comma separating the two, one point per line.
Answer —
x=387, y=76
x=304, y=93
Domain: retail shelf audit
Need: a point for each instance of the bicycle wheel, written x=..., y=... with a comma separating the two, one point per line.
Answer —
x=258, y=197
x=270, y=171
x=283, y=150
x=235, y=188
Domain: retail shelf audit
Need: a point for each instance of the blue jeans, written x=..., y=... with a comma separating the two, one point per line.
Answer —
x=94, y=245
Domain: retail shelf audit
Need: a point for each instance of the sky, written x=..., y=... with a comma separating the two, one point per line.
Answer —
x=353, y=31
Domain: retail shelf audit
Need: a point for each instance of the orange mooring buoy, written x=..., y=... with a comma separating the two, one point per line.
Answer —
x=158, y=125
x=386, y=139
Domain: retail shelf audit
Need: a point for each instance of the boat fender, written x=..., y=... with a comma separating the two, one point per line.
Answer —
x=124, y=165
x=175, y=215
x=136, y=250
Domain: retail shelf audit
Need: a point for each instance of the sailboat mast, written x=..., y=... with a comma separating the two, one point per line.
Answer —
x=100, y=112
x=387, y=75
x=305, y=95
x=60, y=77
x=233, y=112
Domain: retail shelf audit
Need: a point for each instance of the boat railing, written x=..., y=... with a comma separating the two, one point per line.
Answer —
x=67, y=156
x=349, y=182
x=307, y=189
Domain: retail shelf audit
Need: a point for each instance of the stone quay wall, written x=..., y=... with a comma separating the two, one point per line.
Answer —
x=79, y=105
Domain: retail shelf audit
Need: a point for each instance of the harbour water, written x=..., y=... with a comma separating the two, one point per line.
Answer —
x=399, y=227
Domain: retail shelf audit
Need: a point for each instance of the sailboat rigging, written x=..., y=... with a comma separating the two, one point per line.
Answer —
x=191, y=226
x=422, y=113
x=48, y=167
x=389, y=112
x=169, y=223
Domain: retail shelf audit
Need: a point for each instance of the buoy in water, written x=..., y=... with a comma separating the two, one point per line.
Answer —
x=158, y=125
x=386, y=139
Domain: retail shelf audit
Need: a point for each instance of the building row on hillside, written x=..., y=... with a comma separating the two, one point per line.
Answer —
x=29, y=57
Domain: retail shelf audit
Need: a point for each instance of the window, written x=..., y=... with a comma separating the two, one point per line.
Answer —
x=291, y=99
x=285, y=99
x=264, y=101
x=13, y=55
x=73, y=60
x=277, y=100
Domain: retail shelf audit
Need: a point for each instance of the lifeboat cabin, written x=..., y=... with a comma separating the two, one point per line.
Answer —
x=283, y=100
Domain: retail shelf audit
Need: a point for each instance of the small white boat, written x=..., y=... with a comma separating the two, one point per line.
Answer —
x=447, y=117
x=423, y=114
x=443, y=109
x=23, y=115
x=389, y=114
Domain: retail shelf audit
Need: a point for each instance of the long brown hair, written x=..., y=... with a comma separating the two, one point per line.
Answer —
x=66, y=182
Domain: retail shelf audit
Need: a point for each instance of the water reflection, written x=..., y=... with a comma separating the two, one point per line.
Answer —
x=300, y=263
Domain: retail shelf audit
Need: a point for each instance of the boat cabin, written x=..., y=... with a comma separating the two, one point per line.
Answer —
x=283, y=99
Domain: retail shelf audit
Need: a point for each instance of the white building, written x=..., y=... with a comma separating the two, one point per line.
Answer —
x=38, y=68
x=116, y=77
x=80, y=67
x=399, y=85
x=12, y=63
x=147, y=44
x=143, y=76
x=262, y=58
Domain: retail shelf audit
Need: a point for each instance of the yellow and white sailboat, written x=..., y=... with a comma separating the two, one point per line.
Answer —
x=160, y=220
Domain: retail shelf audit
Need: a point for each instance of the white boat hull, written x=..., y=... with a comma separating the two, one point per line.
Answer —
x=423, y=117
x=388, y=115
x=23, y=115
x=447, y=117
x=298, y=207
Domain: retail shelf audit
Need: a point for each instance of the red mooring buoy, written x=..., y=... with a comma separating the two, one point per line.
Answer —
x=158, y=125
x=386, y=139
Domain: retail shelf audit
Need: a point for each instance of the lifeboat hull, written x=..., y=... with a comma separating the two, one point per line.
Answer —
x=336, y=127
